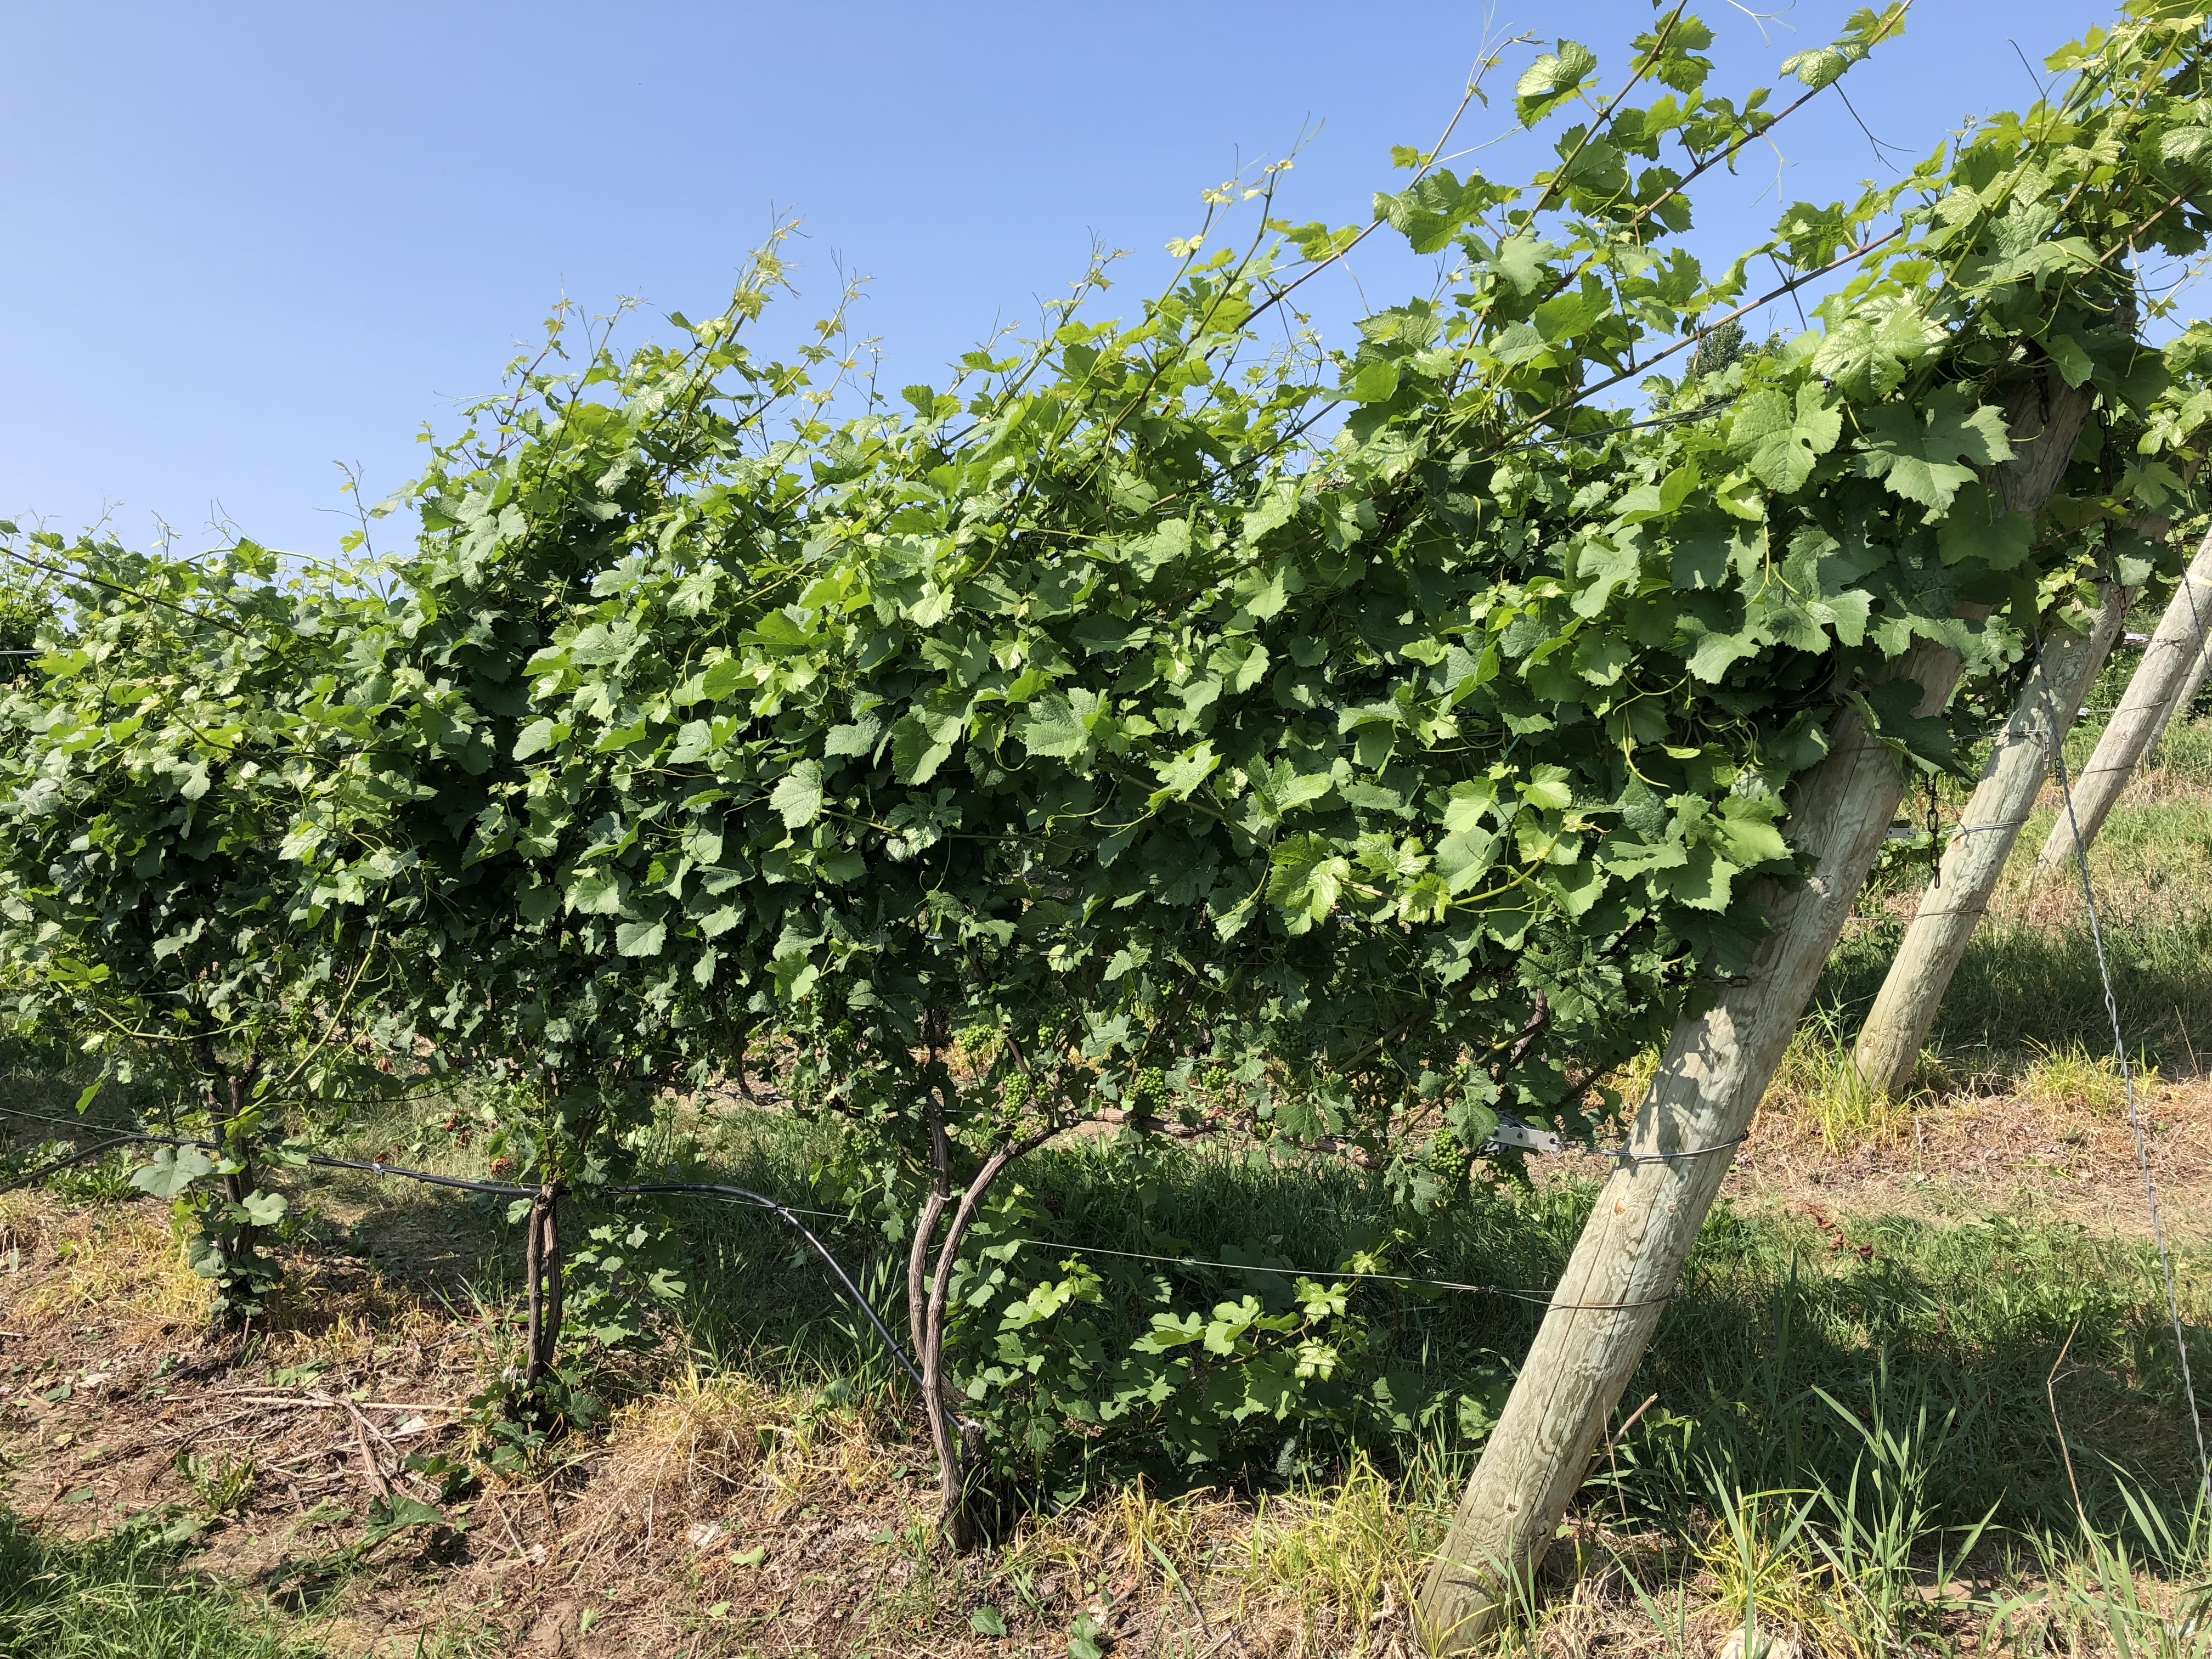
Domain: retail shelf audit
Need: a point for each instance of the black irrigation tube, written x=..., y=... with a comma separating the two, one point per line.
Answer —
x=497, y=1189
x=740, y=1195
x=79, y=1157
x=700, y=1188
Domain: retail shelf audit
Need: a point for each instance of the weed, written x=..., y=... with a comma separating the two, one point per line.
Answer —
x=21, y=1220
x=2070, y=1078
x=1761, y=1559
x=1819, y=1083
x=1632, y=1081
x=113, y=1260
x=106, y=1182
x=223, y=1484
x=1341, y=1550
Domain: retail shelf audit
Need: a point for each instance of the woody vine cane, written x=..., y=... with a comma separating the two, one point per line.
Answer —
x=542, y=1271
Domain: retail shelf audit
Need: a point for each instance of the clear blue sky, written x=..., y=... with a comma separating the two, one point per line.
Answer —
x=248, y=240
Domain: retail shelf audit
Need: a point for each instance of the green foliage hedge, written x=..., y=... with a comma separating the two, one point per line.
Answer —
x=1348, y=745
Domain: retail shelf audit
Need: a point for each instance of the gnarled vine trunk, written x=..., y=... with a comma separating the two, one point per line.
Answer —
x=542, y=1271
x=929, y=1264
x=229, y=1092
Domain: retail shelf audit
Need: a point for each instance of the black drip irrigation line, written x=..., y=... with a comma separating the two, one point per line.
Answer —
x=79, y=1157
x=740, y=1195
x=497, y=1189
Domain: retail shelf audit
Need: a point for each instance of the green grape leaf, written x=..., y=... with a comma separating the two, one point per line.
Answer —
x=1054, y=724
x=1551, y=79
x=1305, y=876
x=798, y=797
x=174, y=1169
x=1184, y=773
x=1818, y=68
x=1973, y=530
x=265, y=1209
x=1926, y=457
x=1782, y=443
x=1604, y=565
x=721, y=679
x=536, y=737
x=1867, y=356
x=1520, y=259
x=922, y=742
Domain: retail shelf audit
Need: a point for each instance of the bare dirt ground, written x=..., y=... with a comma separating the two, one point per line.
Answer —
x=1973, y=1154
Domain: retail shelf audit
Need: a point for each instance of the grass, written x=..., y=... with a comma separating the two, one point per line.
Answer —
x=1340, y=1549
x=122, y=1597
x=1831, y=1430
x=2070, y=1077
x=1819, y=1083
x=1962, y=1320
x=126, y=1252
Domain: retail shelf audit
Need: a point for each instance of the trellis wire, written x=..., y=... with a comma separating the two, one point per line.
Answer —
x=701, y=1188
x=790, y=1214
x=2128, y=1081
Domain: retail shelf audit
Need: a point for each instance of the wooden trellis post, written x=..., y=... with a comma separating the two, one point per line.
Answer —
x=1700, y=1104
x=2167, y=663
x=2184, y=699
x=1904, y=1012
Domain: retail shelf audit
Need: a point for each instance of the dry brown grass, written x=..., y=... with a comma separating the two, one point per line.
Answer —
x=22, y=1215
x=123, y=1262
x=719, y=1449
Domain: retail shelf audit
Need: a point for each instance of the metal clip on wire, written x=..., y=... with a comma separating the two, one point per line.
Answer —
x=1513, y=1135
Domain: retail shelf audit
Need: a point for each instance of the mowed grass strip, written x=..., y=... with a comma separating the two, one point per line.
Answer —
x=122, y=1596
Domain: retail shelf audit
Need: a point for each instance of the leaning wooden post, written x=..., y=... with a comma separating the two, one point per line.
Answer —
x=1904, y=1013
x=2166, y=663
x=2184, y=699
x=1700, y=1104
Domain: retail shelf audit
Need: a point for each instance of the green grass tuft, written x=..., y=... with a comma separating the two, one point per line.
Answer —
x=121, y=1596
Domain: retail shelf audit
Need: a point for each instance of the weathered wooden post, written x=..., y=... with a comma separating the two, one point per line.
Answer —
x=1904, y=1012
x=2184, y=699
x=1700, y=1106
x=2166, y=664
